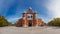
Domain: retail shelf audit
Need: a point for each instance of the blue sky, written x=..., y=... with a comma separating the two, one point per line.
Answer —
x=47, y=9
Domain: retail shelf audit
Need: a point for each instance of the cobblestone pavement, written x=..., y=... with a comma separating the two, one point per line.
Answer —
x=29, y=30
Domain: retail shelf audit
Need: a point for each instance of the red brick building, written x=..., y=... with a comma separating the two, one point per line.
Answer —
x=29, y=18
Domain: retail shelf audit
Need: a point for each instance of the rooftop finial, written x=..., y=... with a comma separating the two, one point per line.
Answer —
x=30, y=7
x=24, y=11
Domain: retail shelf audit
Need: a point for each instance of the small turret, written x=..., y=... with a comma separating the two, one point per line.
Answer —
x=30, y=8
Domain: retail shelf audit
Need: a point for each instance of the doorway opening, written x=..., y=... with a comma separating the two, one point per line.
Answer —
x=30, y=23
x=20, y=25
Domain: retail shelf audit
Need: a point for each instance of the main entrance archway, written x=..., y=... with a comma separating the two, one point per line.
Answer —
x=30, y=23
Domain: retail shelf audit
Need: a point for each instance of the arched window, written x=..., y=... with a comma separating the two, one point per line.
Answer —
x=29, y=16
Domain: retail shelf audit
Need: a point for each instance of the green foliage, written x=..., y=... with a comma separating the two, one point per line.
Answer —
x=54, y=22
x=3, y=21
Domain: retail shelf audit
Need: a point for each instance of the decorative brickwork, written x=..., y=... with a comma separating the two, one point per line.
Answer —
x=29, y=18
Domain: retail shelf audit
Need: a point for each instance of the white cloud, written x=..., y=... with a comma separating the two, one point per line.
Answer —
x=53, y=7
x=13, y=19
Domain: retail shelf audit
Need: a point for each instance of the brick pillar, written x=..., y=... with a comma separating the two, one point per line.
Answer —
x=36, y=20
x=25, y=20
x=34, y=23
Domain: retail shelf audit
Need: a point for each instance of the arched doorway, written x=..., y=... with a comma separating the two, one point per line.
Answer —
x=20, y=25
x=30, y=23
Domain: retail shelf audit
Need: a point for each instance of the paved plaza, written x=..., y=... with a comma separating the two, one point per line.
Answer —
x=29, y=30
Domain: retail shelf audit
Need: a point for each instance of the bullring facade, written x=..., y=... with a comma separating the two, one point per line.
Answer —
x=29, y=19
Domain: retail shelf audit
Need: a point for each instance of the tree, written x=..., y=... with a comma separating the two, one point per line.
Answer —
x=3, y=21
x=54, y=22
